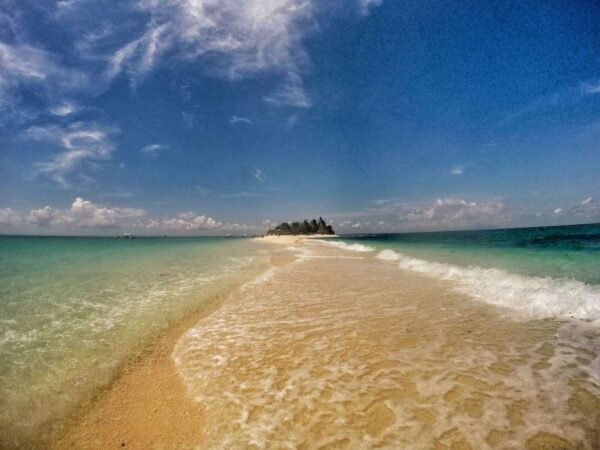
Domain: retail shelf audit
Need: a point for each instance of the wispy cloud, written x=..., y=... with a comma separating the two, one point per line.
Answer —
x=458, y=170
x=590, y=88
x=188, y=119
x=237, y=119
x=242, y=194
x=259, y=175
x=64, y=108
x=29, y=68
x=83, y=147
x=153, y=149
x=202, y=190
x=291, y=93
x=234, y=39
x=365, y=5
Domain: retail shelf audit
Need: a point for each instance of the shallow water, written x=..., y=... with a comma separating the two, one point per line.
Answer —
x=73, y=310
x=540, y=272
x=341, y=349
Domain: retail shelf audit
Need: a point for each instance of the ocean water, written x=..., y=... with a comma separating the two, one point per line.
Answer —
x=483, y=339
x=345, y=348
x=539, y=272
x=73, y=310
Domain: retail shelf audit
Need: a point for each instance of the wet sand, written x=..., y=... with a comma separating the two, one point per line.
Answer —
x=336, y=350
x=146, y=407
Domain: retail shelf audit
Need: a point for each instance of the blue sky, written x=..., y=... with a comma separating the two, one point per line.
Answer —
x=220, y=116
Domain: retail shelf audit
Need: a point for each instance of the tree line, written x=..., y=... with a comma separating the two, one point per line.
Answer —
x=304, y=227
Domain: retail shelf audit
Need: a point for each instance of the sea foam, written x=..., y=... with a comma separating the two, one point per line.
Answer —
x=533, y=297
x=346, y=246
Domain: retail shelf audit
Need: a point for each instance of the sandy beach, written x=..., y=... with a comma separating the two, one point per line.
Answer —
x=332, y=349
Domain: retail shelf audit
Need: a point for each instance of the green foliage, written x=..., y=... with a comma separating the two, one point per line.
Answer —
x=304, y=227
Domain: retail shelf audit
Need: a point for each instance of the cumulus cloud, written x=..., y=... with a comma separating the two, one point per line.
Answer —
x=190, y=223
x=186, y=221
x=454, y=213
x=87, y=215
x=439, y=214
x=587, y=210
x=9, y=217
x=82, y=213
x=153, y=149
x=83, y=147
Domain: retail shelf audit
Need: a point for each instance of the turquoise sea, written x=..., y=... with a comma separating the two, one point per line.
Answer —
x=541, y=272
x=73, y=310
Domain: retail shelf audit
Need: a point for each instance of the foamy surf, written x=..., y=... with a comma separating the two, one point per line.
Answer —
x=533, y=297
x=352, y=353
x=346, y=246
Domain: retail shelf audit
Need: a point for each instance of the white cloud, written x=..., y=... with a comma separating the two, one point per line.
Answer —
x=189, y=221
x=82, y=213
x=587, y=210
x=458, y=170
x=236, y=119
x=9, y=217
x=440, y=214
x=453, y=213
x=590, y=88
x=291, y=93
x=64, y=108
x=235, y=39
x=557, y=210
x=84, y=146
x=365, y=5
x=25, y=66
x=259, y=175
x=153, y=149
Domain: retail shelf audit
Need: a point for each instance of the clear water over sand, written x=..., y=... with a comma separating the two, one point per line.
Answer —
x=342, y=350
x=73, y=310
x=352, y=345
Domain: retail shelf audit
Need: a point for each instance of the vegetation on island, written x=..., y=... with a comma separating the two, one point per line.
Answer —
x=305, y=227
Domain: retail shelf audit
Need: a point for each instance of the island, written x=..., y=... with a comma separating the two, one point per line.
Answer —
x=304, y=227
